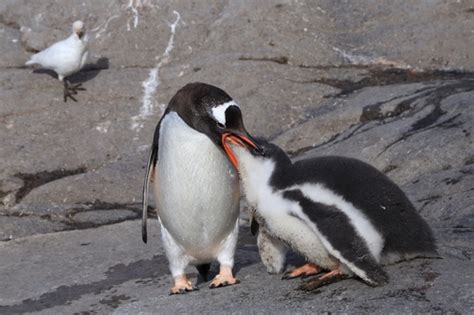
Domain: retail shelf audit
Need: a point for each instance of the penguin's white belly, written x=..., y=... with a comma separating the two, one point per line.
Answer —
x=196, y=189
x=292, y=230
x=301, y=238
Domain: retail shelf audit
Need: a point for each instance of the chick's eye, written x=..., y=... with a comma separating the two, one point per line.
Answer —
x=220, y=125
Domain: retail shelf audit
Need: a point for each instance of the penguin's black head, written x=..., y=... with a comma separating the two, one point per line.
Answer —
x=210, y=110
x=271, y=151
x=267, y=150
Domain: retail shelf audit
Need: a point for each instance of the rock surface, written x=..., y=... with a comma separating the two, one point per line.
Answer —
x=390, y=83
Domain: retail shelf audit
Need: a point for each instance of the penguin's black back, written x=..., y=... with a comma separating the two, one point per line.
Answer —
x=385, y=205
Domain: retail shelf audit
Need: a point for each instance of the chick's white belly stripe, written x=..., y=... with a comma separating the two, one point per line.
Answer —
x=364, y=228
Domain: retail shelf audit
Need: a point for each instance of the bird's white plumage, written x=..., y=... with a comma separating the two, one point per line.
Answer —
x=227, y=248
x=77, y=27
x=286, y=220
x=218, y=112
x=275, y=210
x=272, y=251
x=197, y=193
x=176, y=254
x=64, y=57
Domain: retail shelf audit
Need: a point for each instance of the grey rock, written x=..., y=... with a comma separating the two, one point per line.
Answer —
x=108, y=269
x=15, y=226
x=103, y=216
x=12, y=51
x=432, y=132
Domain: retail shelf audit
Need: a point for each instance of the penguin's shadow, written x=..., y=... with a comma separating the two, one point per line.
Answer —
x=245, y=243
x=88, y=72
x=248, y=242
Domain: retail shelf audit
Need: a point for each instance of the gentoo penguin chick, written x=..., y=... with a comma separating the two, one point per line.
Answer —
x=342, y=214
x=196, y=188
x=65, y=57
x=272, y=251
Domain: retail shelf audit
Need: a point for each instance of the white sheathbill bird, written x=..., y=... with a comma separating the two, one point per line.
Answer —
x=65, y=57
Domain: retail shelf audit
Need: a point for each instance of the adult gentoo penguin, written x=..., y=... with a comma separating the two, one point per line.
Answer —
x=342, y=214
x=196, y=188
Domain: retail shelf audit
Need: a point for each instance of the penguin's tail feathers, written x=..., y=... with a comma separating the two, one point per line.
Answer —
x=149, y=176
x=144, y=231
x=376, y=277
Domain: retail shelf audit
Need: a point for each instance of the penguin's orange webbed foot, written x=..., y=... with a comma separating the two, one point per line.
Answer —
x=304, y=271
x=330, y=277
x=224, y=278
x=182, y=285
x=223, y=281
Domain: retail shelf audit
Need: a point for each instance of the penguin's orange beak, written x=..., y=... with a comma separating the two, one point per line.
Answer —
x=240, y=140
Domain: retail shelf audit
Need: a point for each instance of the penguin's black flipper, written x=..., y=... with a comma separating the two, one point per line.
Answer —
x=346, y=244
x=150, y=169
x=203, y=270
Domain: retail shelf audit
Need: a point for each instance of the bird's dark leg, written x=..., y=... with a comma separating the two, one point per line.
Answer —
x=67, y=91
x=330, y=277
x=70, y=90
x=76, y=87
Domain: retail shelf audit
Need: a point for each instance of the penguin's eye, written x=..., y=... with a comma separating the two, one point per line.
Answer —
x=220, y=125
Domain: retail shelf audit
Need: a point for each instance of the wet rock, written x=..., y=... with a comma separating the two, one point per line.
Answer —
x=427, y=137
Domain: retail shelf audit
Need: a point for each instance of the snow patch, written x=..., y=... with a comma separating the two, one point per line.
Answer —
x=133, y=5
x=153, y=81
x=103, y=27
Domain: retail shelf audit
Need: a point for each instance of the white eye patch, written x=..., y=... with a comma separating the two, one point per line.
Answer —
x=218, y=112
